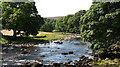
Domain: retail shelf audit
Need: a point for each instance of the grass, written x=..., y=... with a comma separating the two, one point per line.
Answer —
x=3, y=41
x=39, y=38
x=107, y=62
x=17, y=40
x=59, y=32
x=50, y=36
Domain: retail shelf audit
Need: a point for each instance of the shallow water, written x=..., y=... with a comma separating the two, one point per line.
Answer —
x=49, y=53
x=53, y=52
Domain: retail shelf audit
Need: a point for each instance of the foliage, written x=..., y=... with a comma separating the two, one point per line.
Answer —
x=70, y=23
x=49, y=20
x=100, y=25
x=114, y=47
x=21, y=16
x=3, y=41
x=74, y=22
x=49, y=25
x=59, y=25
x=107, y=62
x=0, y=26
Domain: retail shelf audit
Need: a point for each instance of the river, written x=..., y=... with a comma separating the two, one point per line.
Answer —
x=48, y=53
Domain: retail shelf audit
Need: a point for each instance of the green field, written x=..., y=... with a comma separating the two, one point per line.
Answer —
x=31, y=39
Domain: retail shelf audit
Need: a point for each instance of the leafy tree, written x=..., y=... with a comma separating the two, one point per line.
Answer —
x=74, y=22
x=50, y=20
x=101, y=25
x=65, y=23
x=21, y=16
x=59, y=25
x=70, y=23
x=62, y=23
x=47, y=27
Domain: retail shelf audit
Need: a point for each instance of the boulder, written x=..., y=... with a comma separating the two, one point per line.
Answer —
x=65, y=53
x=56, y=64
x=71, y=52
x=42, y=56
x=25, y=52
x=33, y=64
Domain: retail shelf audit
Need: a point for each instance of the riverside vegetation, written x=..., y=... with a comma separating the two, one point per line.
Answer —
x=39, y=38
x=99, y=25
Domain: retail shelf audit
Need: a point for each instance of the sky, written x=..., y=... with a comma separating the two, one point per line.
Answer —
x=52, y=8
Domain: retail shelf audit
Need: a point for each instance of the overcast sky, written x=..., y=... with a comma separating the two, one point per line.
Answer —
x=51, y=8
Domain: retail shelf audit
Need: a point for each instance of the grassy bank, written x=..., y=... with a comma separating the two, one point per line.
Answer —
x=50, y=36
x=107, y=62
x=39, y=38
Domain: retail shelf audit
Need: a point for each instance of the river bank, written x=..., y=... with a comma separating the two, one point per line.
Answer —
x=42, y=37
x=64, y=52
x=30, y=41
x=68, y=51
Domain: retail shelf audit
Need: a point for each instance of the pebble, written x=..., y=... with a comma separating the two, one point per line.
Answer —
x=25, y=52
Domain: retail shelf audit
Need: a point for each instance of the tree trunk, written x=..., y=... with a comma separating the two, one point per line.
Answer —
x=14, y=33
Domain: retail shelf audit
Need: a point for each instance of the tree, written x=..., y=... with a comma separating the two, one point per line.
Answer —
x=70, y=23
x=101, y=25
x=62, y=23
x=59, y=25
x=47, y=27
x=74, y=22
x=21, y=16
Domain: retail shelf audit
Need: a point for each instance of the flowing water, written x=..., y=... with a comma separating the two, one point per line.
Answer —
x=49, y=53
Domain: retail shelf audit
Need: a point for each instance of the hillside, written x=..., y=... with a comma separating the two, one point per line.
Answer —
x=56, y=17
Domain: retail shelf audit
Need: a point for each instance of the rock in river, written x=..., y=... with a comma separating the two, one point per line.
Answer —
x=58, y=42
x=33, y=64
x=71, y=52
x=65, y=53
x=25, y=52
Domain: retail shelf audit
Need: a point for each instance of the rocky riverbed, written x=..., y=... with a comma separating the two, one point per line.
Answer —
x=55, y=52
x=67, y=52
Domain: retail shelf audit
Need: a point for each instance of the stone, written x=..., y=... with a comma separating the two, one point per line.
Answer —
x=42, y=56
x=58, y=42
x=25, y=52
x=71, y=52
x=56, y=64
x=65, y=53
x=33, y=64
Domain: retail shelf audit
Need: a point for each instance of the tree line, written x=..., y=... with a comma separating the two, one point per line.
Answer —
x=99, y=25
